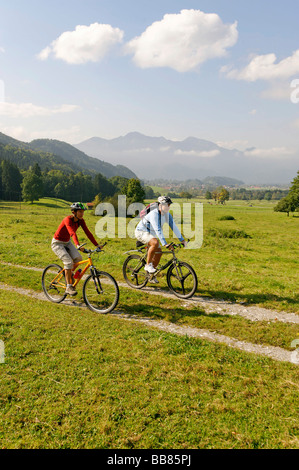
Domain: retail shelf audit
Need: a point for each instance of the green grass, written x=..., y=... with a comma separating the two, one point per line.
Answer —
x=261, y=270
x=142, y=304
x=75, y=379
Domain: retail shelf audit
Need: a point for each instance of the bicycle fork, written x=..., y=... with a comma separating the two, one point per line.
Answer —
x=96, y=280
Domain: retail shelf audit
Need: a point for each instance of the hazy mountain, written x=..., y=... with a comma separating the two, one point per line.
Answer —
x=60, y=153
x=157, y=157
x=71, y=154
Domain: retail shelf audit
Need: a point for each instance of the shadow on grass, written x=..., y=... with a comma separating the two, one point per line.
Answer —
x=248, y=299
x=52, y=205
x=235, y=297
x=171, y=314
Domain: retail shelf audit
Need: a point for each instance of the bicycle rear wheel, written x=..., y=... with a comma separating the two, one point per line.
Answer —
x=182, y=280
x=134, y=273
x=53, y=283
x=100, y=292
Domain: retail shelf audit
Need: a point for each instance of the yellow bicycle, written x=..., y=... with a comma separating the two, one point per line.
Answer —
x=100, y=289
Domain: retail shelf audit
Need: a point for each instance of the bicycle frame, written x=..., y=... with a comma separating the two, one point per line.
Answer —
x=88, y=263
x=165, y=266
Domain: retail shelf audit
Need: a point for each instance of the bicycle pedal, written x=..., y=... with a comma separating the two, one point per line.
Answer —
x=154, y=280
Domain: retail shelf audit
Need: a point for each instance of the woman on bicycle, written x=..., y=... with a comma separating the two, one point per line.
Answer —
x=149, y=230
x=62, y=245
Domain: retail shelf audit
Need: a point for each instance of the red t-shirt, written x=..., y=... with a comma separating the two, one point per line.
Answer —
x=68, y=228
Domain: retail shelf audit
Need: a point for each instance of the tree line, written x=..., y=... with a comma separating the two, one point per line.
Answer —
x=232, y=193
x=258, y=194
x=32, y=184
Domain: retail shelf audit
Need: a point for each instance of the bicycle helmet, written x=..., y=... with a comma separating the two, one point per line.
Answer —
x=77, y=206
x=164, y=200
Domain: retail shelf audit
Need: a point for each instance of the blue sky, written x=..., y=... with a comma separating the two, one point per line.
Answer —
x=71, y=70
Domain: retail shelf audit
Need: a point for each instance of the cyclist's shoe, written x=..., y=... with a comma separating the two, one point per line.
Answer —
x=150, y=268
x=154, y=280
x=70, y=290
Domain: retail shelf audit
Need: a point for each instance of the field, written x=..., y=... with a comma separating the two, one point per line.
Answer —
x=75, y=379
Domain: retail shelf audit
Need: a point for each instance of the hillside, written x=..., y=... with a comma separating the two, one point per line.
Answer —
x=25, y=157
x=54, y=154
x=75, y=156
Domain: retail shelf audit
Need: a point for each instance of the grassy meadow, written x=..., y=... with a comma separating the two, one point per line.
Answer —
x=76, y=379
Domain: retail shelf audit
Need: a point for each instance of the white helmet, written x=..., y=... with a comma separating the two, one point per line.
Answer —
x=164, y=200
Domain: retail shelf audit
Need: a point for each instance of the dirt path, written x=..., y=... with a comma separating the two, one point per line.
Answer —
x=272, y=352
x=221, y=307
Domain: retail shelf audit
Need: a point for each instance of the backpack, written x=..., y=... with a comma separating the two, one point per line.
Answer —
x=148, y=208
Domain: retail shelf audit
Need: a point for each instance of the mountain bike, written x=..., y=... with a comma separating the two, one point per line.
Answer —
x=100, y=289
x=181, y=277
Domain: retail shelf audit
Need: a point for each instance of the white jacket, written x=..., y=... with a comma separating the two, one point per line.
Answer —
x=153, y=223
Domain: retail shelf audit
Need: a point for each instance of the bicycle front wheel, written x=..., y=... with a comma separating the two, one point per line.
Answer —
x=100, y=292
x=134, y=273
x=182, y=280
x=53, y=283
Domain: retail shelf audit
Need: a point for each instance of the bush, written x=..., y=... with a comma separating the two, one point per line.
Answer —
x=227, y=217
x=218, y=233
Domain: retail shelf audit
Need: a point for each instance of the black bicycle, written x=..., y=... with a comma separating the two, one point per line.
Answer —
x=100, y=289
x=181, y=277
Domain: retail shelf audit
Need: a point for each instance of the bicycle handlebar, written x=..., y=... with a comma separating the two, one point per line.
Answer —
x=98, y=249
x=177, y=245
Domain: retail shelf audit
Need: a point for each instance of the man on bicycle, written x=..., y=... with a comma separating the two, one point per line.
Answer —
x=63, y=247
x=149, y=230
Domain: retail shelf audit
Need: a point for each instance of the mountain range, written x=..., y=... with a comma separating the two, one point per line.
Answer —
x=55, y=154
x=157, y=157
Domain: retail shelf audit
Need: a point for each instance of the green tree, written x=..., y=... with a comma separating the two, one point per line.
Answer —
x=11, y=181
x=103, y=185
x=268, y=196
x=294, y=190
x=149, y=192
x=36, y=170
x=134, y=191
x=32, y=186
x=208, y=195
x=287, y=204
x=215, y=195
x=223, y=195
x=185, y=195
x=61, y=190
x=290, y=203
x=118, y=182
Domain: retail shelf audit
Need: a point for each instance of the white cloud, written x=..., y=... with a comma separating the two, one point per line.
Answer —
x=183, y=41
x=194, y=153
x=26, y=135
x=274, y=152
x=265, y=67
x=2, y=50
x=138, y=150
x=233, y=144
x=84, y=44
x=26, y=110
x=17, y=132
x=44, y=54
